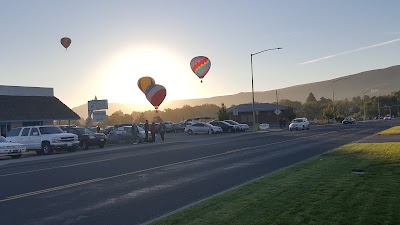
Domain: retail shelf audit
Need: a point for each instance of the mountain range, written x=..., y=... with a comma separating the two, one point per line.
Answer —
x=373, y=83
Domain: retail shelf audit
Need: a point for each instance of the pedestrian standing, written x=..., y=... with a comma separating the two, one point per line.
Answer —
x=153, y=131
x=146, y=131
x=162, y=130
x=134, y=131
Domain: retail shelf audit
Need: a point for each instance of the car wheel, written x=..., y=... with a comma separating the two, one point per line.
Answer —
x=302, y=127
x=290, y=129
x=16, y=156
x=101, y=145
x=190, y=132
x=85, y=145
x=46, y=149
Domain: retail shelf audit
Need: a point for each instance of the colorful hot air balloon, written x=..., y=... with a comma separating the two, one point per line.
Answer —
x=200, y=66
x=144, y=82
x=65, y=41
x=156, y=93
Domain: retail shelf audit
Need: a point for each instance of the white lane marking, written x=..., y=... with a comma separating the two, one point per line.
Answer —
x=127, y=156
x=28, y=194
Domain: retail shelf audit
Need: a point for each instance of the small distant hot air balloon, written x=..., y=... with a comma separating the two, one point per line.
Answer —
x=200, y=66
x=144, y=82
x=156, y=94
x=65, y=41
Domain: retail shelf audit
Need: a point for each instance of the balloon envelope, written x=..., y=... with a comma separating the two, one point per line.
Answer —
x=144, y=82
x=65, y=41
x=200, y=66
x=156, y=94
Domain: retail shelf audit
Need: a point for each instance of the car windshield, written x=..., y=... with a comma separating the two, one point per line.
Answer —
x=3, y=139
x=297, y=121
x=50, y=130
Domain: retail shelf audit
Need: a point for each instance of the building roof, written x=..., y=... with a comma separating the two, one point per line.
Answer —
x=262, y=107
x=34, y=108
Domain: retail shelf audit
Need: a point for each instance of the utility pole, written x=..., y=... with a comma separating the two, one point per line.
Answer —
x=276, y=92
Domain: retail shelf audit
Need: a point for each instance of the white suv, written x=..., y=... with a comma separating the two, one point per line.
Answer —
x=43, y=139
x=299, y=124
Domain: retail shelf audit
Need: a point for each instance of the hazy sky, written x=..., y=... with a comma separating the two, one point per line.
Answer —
x=114, y=43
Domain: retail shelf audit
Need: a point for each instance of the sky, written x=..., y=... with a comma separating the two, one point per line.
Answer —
x=114, y=43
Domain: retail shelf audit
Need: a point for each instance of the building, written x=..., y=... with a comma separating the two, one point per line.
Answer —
x=30, y=106
x=265, y=113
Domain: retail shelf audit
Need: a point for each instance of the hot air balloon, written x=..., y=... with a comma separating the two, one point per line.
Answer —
x=65, y=41
x=156, y=93
x=200, y=66
x=144, y=82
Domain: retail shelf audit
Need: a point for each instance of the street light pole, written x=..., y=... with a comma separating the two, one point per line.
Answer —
x=252, y=82
x=333, y=96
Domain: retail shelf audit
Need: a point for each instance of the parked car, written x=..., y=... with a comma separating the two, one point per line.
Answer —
x=8, y=148
x=124, y=134
x=215, y=129
x=348, y=120
x=263, y=126
x=226, y=127
x=44, y=139
x=387, y=117
x=242, y=126
x=107, y=129
x=87, y=137
x=169, y=125
x=299, y=124
x=178, y=127
x=199, y=128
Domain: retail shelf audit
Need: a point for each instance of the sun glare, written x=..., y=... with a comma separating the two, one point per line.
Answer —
x=122, y=71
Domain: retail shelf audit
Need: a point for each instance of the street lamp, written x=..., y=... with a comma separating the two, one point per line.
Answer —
x=252, y=82
x=333, y=96
x=370, y=91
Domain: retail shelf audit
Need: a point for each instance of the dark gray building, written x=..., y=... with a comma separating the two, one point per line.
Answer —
x=265, y=113
x=30, y=106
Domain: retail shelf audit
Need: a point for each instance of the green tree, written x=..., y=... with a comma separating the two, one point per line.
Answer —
x=311, y=98
x=223, y=113
x=141, y=118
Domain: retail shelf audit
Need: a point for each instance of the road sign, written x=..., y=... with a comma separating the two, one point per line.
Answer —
x=99, y=116
x=277, y=112
x=97, y=105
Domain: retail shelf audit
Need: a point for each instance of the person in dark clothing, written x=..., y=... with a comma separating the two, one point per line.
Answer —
x=135, y=132
x=146, y=131
x=162, y=131
x=153, y=131
x=284, y=123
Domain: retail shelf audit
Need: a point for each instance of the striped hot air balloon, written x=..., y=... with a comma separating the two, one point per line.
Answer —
x=156, y=94
x=200, y=66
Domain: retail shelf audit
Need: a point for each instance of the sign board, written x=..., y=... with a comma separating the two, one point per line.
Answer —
x=97, y=105
x=99, y=116
x=277, y=112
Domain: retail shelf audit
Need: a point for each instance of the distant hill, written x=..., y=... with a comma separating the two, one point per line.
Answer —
x=385, y=80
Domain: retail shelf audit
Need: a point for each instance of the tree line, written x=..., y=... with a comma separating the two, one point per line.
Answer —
x=322, y=110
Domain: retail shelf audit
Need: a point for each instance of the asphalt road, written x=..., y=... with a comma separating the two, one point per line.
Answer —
x=135, y=184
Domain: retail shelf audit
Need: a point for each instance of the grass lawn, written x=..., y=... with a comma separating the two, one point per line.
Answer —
x=391, y=131
x=320, y=191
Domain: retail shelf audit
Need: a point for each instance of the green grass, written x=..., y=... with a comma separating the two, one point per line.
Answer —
x=391, y=131
x=320, y=191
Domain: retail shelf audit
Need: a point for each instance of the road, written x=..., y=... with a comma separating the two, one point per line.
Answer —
x=135, y=184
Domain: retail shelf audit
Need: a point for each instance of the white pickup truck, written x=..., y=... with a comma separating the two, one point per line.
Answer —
x=43, y=139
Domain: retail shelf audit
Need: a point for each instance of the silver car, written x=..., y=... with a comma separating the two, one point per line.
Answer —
x=199, y=128
x=299, y=124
